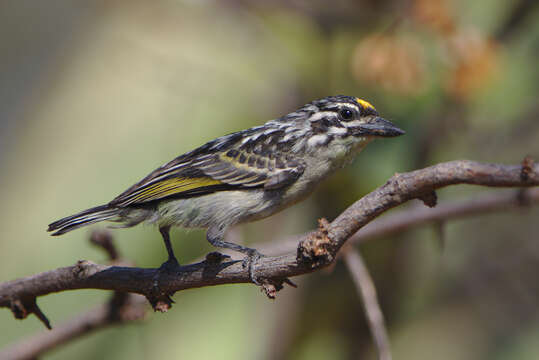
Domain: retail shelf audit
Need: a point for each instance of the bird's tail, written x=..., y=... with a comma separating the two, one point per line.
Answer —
x=86, y=217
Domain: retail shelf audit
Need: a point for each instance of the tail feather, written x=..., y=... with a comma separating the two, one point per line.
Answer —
x=86, y=217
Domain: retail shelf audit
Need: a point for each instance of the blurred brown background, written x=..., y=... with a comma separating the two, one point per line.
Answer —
x=94, y=95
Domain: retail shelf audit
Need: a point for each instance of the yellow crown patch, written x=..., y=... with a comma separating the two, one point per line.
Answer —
x=365, y=104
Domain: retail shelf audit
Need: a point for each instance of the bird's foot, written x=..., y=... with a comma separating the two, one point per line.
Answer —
x=250, y=262
x=216, y=257
x=169, y=266
x=160, y=299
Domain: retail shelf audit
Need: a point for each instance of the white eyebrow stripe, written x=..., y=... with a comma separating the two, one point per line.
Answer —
x=321, y=115
x=350, y=106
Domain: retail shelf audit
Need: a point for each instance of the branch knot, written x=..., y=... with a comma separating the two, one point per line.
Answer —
x=527, y=168
x=318, y=249
x=429, y=198
x=84, y=269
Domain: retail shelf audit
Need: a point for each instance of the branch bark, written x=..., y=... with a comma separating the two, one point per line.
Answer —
x=315, y=251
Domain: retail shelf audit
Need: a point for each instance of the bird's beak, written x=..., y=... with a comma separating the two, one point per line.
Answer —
x=380, y=127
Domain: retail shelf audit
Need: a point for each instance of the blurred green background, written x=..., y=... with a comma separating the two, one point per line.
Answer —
x=94, y=95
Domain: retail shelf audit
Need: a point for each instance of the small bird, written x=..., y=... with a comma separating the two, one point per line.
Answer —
x=244, y=176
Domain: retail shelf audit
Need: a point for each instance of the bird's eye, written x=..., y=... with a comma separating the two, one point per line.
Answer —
x=346, y=114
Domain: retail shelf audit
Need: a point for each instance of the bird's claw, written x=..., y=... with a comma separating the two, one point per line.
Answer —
x=216, y=257
x=169, y=266
x=250, y=262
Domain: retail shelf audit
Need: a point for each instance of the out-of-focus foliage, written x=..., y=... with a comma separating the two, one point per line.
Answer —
x=97, y=94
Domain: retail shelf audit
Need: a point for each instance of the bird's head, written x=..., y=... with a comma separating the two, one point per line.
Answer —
x=332, y=127
x=344, y=122
x=346, y=116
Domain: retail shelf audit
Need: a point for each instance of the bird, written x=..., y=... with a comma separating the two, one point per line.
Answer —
x=244, y=176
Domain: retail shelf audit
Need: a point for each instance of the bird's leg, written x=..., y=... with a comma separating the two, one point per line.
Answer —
x=215, y=237
x=158, y=298
x=172, y=262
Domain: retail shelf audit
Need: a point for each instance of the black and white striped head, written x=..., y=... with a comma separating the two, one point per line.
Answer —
x=340, y=120
x=345, y=116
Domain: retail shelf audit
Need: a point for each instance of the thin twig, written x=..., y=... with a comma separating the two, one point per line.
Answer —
x=95, y=319
x=122, y=307
x=367, y=292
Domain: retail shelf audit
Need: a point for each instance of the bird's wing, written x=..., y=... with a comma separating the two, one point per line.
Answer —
x=247, y=169
x=202, y=174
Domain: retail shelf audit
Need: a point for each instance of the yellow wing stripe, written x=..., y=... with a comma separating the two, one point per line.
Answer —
x=365, y=104
x=243, y=166
x=171, y=187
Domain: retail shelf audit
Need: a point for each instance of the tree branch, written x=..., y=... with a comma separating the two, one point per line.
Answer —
x=316, y=250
